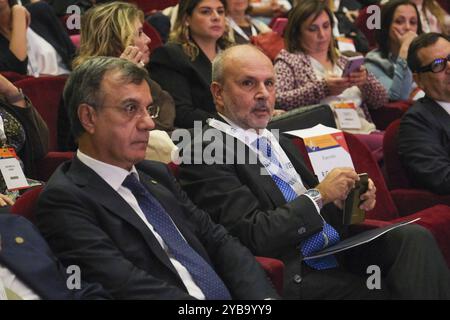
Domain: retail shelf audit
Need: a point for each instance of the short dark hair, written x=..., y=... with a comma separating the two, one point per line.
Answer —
x=422, y=41
x=387, y=17
x=302, y=12
x=84, y=85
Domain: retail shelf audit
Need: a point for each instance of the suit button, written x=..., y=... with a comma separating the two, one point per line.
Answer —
x=302, y=230
x=297, y=278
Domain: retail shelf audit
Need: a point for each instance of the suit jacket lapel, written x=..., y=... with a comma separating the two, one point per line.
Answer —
x=114, y=203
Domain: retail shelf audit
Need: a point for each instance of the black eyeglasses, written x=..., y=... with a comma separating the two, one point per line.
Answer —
x=436, y=66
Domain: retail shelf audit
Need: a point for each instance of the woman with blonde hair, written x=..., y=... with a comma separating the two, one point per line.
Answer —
x=183, y=66
x=310, y=71
x=116, y=29
x=433, y=17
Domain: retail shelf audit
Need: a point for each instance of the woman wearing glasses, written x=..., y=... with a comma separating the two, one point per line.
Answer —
x=400, y=24
x=115, y=29
x=424, y=134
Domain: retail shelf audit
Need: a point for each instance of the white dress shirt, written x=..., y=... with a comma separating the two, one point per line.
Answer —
x=115, y=176
x=444, y=105
x=9, y=283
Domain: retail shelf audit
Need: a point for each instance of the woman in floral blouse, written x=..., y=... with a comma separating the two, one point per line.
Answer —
x=309, y=71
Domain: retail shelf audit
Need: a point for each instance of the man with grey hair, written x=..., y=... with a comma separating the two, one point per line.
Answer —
x=124, y=221
x=277, y=208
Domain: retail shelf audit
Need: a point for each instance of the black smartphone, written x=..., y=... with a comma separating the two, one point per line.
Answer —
x=352, y=213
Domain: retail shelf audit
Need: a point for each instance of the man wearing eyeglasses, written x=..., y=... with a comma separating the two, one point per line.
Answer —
x=124, y=221
x=424, y=134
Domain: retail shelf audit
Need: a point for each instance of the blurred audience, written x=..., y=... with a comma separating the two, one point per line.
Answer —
x=115, y=29
x=183, y=66
x=433, y=17
x=400, y=24
x=309, y=71
x=22, y=129
x=241, y=26
x=32, y=40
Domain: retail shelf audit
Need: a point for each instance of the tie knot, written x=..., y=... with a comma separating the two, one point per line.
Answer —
x=264, y=145
x=132, y=183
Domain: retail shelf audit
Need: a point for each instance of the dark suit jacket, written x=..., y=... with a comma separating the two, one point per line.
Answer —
x=424, y=145
x=251, y=206
x=45, y=23
x=88, y=223
x=35, y=265
x=187, y=82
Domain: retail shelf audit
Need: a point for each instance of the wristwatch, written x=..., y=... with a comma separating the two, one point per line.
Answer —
x=16, y=97
x=316, y=196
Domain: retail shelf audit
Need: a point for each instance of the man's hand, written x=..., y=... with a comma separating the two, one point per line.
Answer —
x=369, y=198
x=337, y=184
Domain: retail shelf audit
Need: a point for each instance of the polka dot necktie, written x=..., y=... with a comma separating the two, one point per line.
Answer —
x=203, y=274
x=328, y=235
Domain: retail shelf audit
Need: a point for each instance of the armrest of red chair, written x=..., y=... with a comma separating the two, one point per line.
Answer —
x=388, y=113
x=275, y=271
x=50, y=162
x=409, y=201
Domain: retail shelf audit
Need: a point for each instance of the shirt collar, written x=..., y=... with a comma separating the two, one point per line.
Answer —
x=113, y=175
x=445, y=105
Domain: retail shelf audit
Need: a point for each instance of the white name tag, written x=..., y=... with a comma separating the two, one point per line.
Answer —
x=347, y=115
x=345, y=44
x=13, y=174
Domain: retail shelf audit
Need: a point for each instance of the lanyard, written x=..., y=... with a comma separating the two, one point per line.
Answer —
x=287, y=172
x=239, y=30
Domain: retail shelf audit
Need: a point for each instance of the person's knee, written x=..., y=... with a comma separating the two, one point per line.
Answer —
x=413, y=232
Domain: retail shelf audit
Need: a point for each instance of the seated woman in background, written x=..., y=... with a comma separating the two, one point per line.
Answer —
x=309, y=72
x=32, y=40
x=23, y=129
x=433, y=17
x=115, y=29
x=183, y=66
x=400, y=24
x=241, y=26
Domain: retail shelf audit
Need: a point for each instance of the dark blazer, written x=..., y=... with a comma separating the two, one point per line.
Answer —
x=35, y=265
x=45, y=23
x=424, y=145
x=88, y=223
x=187, y=82
x=251, y=206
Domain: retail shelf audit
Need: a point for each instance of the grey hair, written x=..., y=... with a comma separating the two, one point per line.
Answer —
x=84, y=85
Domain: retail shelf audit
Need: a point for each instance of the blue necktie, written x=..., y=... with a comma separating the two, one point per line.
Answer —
x=203, y=274
x=328, y=235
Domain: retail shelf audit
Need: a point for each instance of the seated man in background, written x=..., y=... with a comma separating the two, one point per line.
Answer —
x=424, y=133
x=128, y=227
x=280, y=212
x=30, y=271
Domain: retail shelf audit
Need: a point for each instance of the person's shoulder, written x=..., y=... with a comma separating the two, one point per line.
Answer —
x=9, y=222
x=40, y=7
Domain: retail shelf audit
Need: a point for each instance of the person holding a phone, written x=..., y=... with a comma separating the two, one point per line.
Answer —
x=277, y=207
x=400, y=24
x=241, y=26
x=310, y=71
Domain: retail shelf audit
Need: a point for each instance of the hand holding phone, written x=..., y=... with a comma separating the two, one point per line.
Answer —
x=352, y=212
x=353, y=64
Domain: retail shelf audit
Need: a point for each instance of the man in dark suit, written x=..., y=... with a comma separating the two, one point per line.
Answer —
x=131, y=228
x=29, y=270
x=424, y=134
x=274, y=205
